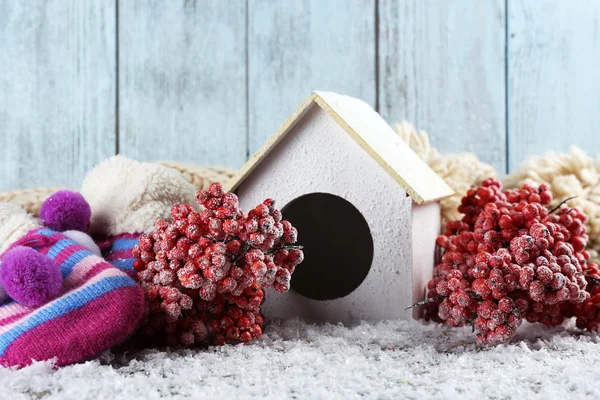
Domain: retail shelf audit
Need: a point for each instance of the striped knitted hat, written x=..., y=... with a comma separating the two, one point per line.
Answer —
x=118, y=250
x=98, y=307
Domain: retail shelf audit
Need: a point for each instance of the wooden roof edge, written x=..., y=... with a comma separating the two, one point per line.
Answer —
x=417, y=197
x=293, y=119
x=289, y=123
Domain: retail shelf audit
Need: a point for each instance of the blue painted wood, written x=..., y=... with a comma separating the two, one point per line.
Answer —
x=554, y=78
x=182, y=82
x=57, y=90
x=208, y=81
x=295, y=47
x=442, y=67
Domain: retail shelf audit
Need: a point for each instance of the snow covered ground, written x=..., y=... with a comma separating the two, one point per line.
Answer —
x=390, y=360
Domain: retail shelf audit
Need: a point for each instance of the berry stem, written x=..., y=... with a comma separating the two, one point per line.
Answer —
x=248, y=247
x=560, y=204
x=245, y=248
x=474, y=294
x=426, y=301
x=285, y=247
x=594, y=281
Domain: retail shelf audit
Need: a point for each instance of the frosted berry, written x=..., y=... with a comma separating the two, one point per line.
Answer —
x=204, y=273
x=510, y=259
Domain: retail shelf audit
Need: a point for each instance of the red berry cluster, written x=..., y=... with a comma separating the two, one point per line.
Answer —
x=509, y=259
x=588, y=313
x=205, y=272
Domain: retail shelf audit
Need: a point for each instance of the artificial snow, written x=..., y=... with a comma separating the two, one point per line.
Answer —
x=389, y=360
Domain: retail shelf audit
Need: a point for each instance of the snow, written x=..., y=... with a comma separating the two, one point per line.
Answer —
x=389, y=360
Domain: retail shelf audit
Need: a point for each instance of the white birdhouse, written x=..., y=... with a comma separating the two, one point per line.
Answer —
x=365, y=205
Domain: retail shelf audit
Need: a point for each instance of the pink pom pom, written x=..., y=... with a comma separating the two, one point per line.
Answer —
x=66, y=210
x=29, y=277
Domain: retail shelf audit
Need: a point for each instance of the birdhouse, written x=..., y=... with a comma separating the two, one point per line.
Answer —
x=365, y=205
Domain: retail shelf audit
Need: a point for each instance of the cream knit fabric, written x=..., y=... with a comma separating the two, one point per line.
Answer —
x=128, y=196
x=568, y=174
x=15, y=222
x=460, y=171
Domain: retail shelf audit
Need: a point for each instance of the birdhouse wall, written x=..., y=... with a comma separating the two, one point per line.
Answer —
x=425, y=230
x=318, y=156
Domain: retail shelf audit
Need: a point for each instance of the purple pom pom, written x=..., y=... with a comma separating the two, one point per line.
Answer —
x=29, y=277
x=66, y=211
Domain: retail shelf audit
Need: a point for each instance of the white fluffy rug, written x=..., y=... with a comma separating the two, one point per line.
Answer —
x=390, y=360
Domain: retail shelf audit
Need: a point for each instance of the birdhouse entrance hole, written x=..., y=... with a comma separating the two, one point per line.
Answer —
x=338, y=246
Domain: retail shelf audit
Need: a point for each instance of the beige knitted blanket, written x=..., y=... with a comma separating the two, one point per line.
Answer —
x=200, y=176
x=568, y=174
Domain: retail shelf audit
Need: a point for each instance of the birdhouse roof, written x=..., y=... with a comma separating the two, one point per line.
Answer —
x=374, y=135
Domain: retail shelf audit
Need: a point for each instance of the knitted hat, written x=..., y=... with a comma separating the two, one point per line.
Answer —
x=98, y=307
x=118, y=250
x=128, y=196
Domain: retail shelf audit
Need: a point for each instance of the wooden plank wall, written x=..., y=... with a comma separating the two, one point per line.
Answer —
x=442, y=68
x=553, y=77
x=57, y=90
x=296, y=47
x=182, y=80
x=207, y=81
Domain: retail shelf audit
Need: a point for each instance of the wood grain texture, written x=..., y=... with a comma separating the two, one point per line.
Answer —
x=442, y=67
x=295, y=47
x=182, y=82
x=554, y=78
x=57, y=90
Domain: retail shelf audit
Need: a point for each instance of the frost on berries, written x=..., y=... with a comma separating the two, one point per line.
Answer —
x=511, y=259
x=204, y=274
